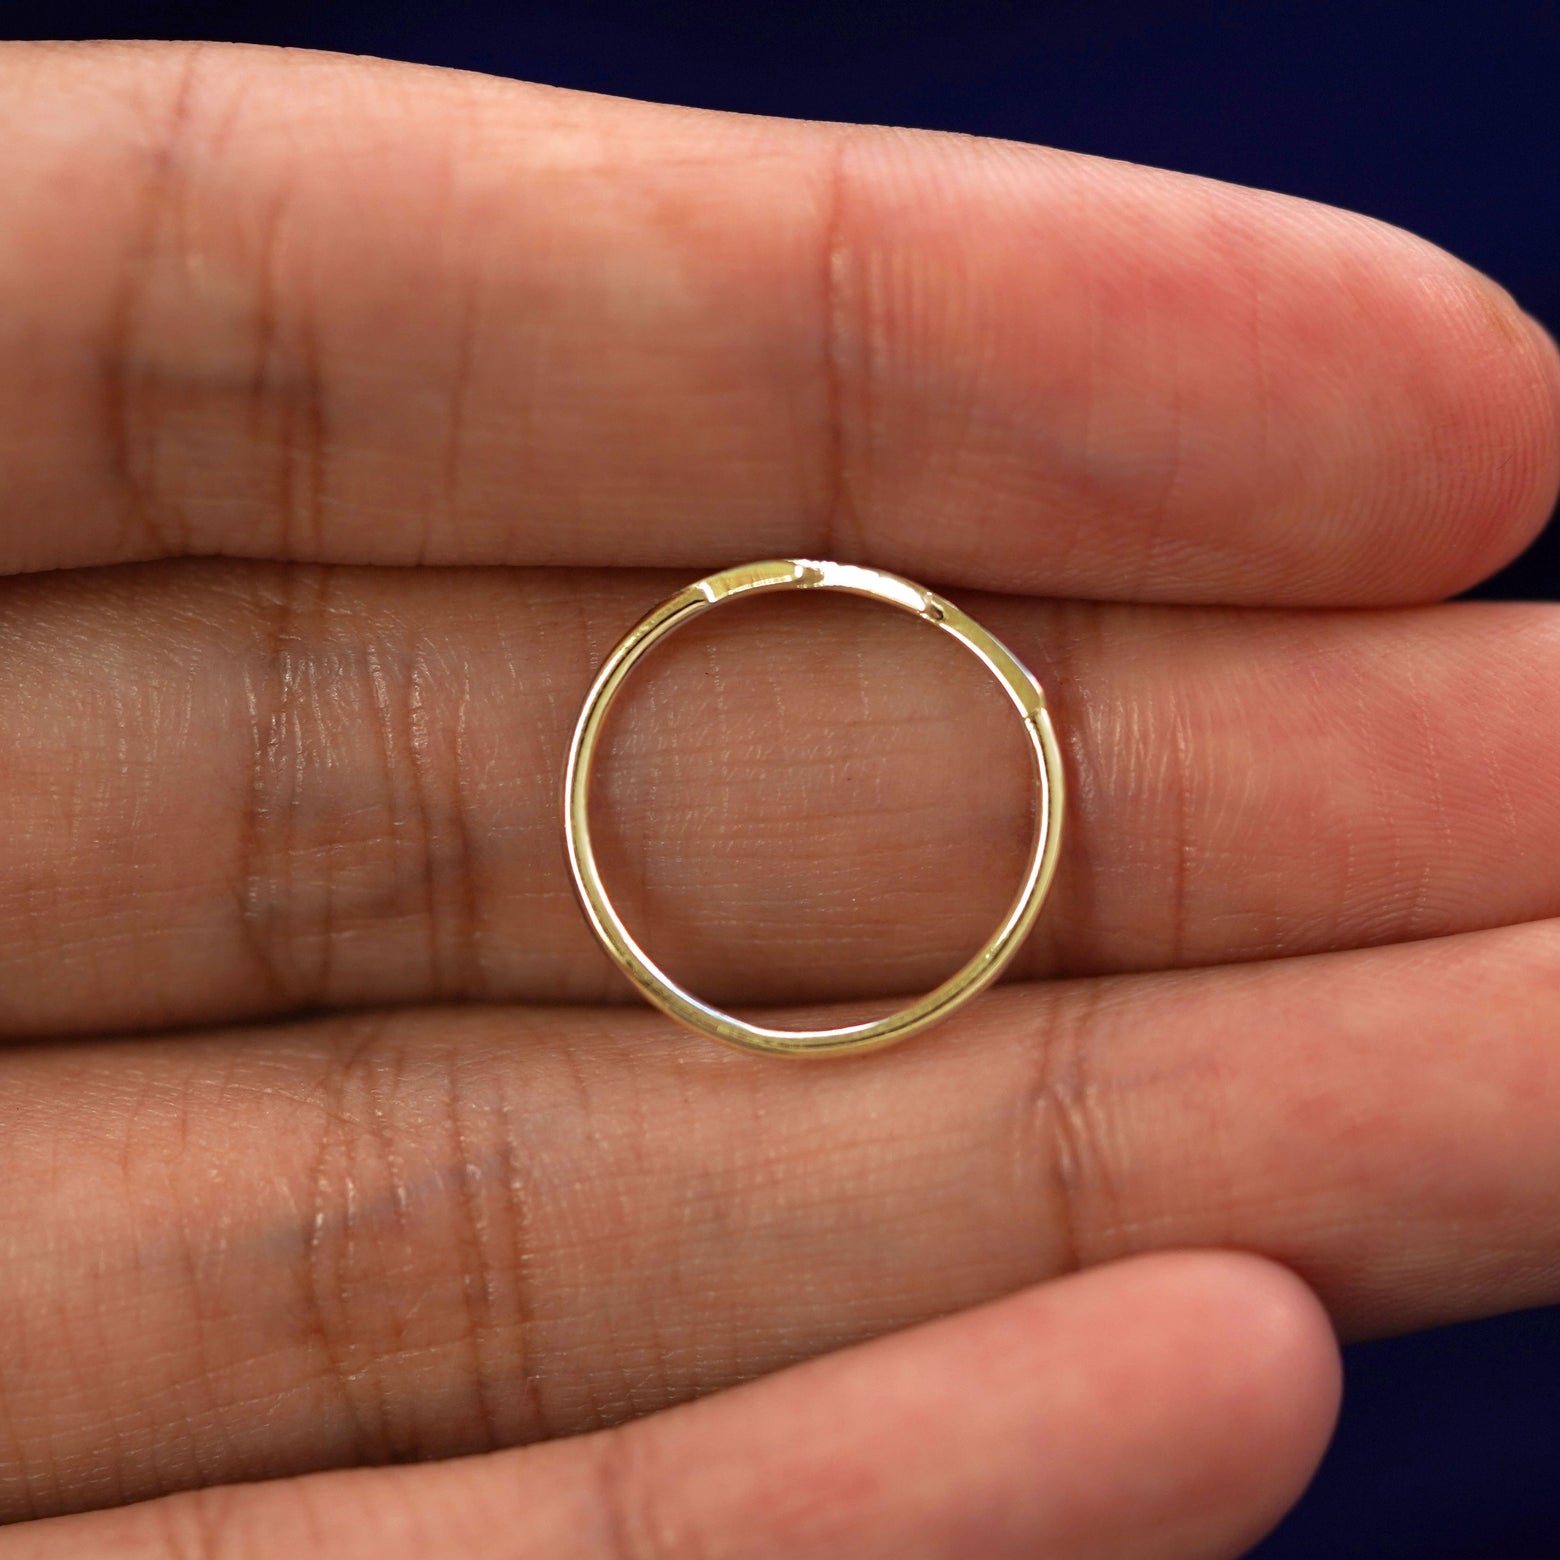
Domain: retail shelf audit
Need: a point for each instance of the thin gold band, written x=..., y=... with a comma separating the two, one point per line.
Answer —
x=809, y=574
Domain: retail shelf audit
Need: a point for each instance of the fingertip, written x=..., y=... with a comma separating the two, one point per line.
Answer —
x=1276, y=1370
x=1490, y=433
x=1223, y=1392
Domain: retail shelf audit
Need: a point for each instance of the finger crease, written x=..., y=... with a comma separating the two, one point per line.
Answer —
x=839, y=529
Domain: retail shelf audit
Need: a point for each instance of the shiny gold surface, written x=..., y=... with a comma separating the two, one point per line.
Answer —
x=811, y=574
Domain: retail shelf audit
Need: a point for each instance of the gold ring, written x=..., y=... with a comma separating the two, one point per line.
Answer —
x=808, y=574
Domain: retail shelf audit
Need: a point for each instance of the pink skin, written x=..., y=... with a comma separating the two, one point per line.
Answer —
x=1167, y=1408
x=330, y=1139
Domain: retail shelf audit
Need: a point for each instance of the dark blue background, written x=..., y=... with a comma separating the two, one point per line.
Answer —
x=1438, y=117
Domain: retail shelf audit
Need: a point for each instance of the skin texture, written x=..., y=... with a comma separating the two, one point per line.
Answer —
x=1112, y=1367
x=348, y=413
x=372, y=758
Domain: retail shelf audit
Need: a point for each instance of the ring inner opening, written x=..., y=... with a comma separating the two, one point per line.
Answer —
x=808, y=798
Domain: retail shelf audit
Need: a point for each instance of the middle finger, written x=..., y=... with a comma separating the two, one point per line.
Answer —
x=236, y=790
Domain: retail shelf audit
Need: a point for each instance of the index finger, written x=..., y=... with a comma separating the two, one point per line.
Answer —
x=277, y=305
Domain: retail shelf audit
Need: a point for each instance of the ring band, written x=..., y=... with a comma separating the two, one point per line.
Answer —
x=808, y=574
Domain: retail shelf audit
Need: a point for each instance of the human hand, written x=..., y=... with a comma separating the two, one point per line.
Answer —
x=330, y=1136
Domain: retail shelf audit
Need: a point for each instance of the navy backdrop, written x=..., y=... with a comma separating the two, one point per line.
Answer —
x=1437, y=117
